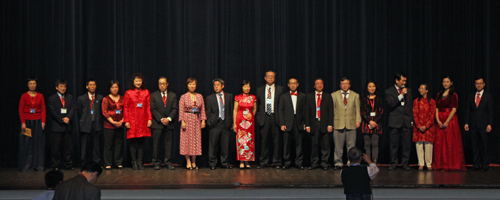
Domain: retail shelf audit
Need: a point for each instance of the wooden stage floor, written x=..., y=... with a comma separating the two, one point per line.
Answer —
x=204, y=178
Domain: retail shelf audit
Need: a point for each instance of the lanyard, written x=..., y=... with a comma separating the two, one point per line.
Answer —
x=372, y=103
x=92, y=101
x=221, y=99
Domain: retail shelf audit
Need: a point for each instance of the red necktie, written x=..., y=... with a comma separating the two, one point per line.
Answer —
x=62, y=101
x=345, y=98
x=318, y=104
x=92, y=103
x=478, y=99
x=164, y=99
x=294, y=93
x=399, y=89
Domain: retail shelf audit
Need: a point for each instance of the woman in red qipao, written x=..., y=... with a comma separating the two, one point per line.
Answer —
x=424, y=131
x=448, y=146
x=137, y=117
x=245, y=106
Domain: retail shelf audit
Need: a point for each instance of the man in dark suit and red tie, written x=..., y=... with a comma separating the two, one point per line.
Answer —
x=478, y=121
x=319, y=122
x=267, y=117
x=62, y=109
x=219, y=110
x=292, y=122
x=164, y=106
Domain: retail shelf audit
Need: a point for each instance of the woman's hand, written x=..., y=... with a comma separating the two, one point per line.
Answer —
x=127, y=125
x=373, y=124
x=43, y=126
x=234, y=127
x=248, y=116
x=445, y=125
x=23, y=126
x=149, y=123
x=203, y=124
x=183, y=125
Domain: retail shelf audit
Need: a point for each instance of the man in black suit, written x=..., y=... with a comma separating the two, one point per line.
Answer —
x=88, y=108
x=164, y=107
x=219, y=109
x=319, y=122
x=267, y=118
x=478, y=120
x=62, y=108
x=292, y=122
x=400, y=103
x=81, y=187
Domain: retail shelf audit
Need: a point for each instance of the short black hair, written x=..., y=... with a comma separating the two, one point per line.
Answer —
x=366, y=88
x=139, y=76
x=31, y=78
x=318, y=79
x=354, y=154
x=90, y=80
x=52, y=178
x=345, y=79
x=111, y=83
x=399, y=75
x=61, y=82
x=166, y=79
x=219, y=80
x=92, y=167
x=270, y=71
x=243, y=83
x=479, y=77
x=293, y=78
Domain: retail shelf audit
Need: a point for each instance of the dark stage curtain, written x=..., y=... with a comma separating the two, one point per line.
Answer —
x=237, y=40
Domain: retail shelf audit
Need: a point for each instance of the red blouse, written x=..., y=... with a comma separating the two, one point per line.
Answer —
x=424, y=114
x=109, y=109
x=137, y=112
x=27, y=103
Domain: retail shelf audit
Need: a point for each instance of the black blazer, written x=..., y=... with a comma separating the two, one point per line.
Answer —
x=83, y=112
x=55, y=105
x=286, y=116
x=326, y=111
x=482, y=116
x=212, y=110
x=77, y=188
x=159, y=110
x=399, y=116
x=261, y=104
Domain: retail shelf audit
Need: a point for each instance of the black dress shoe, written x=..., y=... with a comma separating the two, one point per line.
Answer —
x=286, y=167
x=406, y=168
x=485, y=170
x=170, y=167
x=277, y=167
x=134, y=165
x=228, y=167
x=313, y=167
x=475, y=169
x=324, y=168
x=392, y=168
x=56, y=168
x=120, y=167
x=212, y=168
x=157, y=167
x=337, y=167
x=70, y=168
x=261, y=166
x=300, y=167
x=139, y=165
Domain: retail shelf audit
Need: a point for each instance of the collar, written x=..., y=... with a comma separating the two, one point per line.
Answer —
x=166, y=91
x=60, y=95
x=296, y=92
x=480, y=93
x=348, y=91
x=396, y=86
x=90, y=95
x=318, y=93
x=268, y=86
x=221, y=93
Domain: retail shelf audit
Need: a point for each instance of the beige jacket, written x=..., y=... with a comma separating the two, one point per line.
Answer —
x=345, y=116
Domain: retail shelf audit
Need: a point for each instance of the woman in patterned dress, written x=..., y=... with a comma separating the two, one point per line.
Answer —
x=192, y=117
x=424, y=131
x=245, y=106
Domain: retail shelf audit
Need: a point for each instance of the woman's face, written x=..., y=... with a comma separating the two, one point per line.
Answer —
x=423, y=90
x=246, y=89
x=114, y=89
x=32, y=85
x=137, y=82
x=447, y=83
x=192, y=86
x=371, y=88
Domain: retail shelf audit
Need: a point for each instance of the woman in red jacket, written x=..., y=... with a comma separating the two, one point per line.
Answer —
x=137, y=117
x=32, y=114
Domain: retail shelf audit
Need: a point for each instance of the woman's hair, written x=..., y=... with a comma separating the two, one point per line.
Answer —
x=243, y=83
x=420, y=96
x=139, y=76
x=112, y=83
x=366, y=88
x=452, y=89
x=31, y=78
x=190, y=80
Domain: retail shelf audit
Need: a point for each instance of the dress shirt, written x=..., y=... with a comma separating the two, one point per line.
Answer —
x=166, y=97
x=480, y=95
x=60, y=95
x=273, y=90
x=294, y=102
x=217, y=95
x=372, y=171
x=401, y=96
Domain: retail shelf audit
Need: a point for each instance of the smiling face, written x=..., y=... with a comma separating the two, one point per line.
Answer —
x=218, y=87
x=345, y=85
x=162, y=84
x=114, y=89
x=447, y=83
x=246, y=89
x=479, y=84
x=91, y=87
x=192, y=86
x=293, y=84
x=270, y=77
x=401, y=83
x=137, y=82
x=61, y=88
x=32, y=85
x=423, y=90
x=371, y=88
x=318, y=85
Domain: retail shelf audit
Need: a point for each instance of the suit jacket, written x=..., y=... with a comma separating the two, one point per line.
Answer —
x=83, y=112
x=286, y=115
x=346, y=117
x=326, y=109
x=482, y=116
x=55, y=106
x=399, y=116
x=159, y=110
x=212, y=110
x=261, y=103
x=77, y=188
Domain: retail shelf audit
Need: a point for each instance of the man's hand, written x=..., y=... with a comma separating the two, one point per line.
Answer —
x=66, y=120
x=358, y=124
x=308, y=129
x=283, y=128
x=127, y=125
x=367, y=159
x=488, y=129
x=466, y=127
x=330, y=129
x=404, y=91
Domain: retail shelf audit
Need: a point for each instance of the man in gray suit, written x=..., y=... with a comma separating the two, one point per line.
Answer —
x=81, y=187
x=347, y=119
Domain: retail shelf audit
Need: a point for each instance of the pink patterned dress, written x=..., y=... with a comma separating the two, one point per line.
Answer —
x=245, y=137
x=191, y=136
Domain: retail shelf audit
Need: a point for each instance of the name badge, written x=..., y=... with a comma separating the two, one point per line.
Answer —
x=318, y=108
x=32, y=110
x=118, y=112
x=195, y=109
x=372, y=114
x=269, y=101
x=64, y=110
x=246, y=112
x=139, y=105
x=92, y=112
x=402, y=103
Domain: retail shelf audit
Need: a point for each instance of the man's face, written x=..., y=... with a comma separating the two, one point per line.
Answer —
x=218, y=87
x=480, y=84
x=293, y=84
x=270, y=77
x=401, y=83
x=318, y=85
x=61, y=88
x=162, y=84
x=91, y=86
x=345, y=85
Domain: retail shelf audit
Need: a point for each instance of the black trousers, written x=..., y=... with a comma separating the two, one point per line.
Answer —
x=480, y=150
x=288, y=136
x=64, y=140
x=137, y=149
x=270, y=135
x=404, y=134
x=90, y=144
x=113, y=146
x=322, y=139
x=218, y=139
x=166, y=135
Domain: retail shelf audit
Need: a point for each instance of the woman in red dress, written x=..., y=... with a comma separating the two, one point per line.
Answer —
x=112, y=109
x=245, y=106
x=424, y=131
x=372, y=108
x=137, y=117
x=448, y=146
x=192, y=117
x=32, y=114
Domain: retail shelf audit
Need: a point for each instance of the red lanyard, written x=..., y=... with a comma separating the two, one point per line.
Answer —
x=372, y=102
x=269, y=91
x=92, y=101
x=222, y=99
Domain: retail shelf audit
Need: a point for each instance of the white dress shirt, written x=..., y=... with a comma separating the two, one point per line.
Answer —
x=273, y=88
x=166, y=96
x=294, y=102
x=480, y=95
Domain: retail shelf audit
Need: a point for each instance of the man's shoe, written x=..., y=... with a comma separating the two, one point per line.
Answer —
x=140, y=166
x=421, y=168
x=157, y=167
x=286, y=167
x=337, y=167
x=392, y=168
x=261, y=166
x=313, y=167
x=475, y=169
x=325, y=168
x=406, y=168
x=134, y=165
x=277, y=166
x=485, y=170
x=300, y=167
x=212, y=168
x=228, y=167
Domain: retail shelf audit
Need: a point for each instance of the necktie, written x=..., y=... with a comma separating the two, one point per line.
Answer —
x=318, y=104
x=345, y=98
x=91, y=101
x=269, y=108
x=399, y=89
x=221, y=106
x=164, y=99
x=478, y=99
x=62, y=101
x=294, y=93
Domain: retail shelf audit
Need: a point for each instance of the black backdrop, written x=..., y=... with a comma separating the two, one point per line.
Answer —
x=236, y=40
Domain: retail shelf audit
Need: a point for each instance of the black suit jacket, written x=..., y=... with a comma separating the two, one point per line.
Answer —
x=159, y=110
x=261, y=104
x=77, y=188
x=482, y=116
x=212, y=110
x=83, y=112
x=286, y=116
x=326, y=111
x=55, y=106
x=399, y=116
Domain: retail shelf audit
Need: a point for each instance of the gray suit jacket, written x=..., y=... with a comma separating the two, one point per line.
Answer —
x=399, y=116
x=346, y=116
